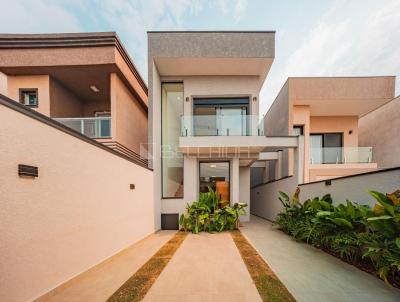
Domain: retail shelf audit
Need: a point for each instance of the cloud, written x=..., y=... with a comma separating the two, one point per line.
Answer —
x=349, y=40
x=38, y=16
x=239, y=9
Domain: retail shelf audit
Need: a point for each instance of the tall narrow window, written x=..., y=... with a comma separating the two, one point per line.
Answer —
x=171, y=158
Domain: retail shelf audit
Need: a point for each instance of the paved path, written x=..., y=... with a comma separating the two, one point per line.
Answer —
x=310, y=274
x=206, y=267
x=100, y=282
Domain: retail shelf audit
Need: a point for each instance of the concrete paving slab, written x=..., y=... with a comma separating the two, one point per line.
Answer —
x=207, y=267
x=310, y=274
x=100, y=282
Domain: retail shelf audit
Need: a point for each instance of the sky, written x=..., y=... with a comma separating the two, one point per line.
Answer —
x=313, y=38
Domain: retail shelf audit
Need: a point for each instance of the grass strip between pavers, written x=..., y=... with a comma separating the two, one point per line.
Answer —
x=139, y=284
x=269, y=287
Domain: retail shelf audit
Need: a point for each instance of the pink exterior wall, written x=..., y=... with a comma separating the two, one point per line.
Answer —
x=380, y=129
x=41, y=82
x=343, y=124
x=63, y=102
x=129, y=119
x=78, y=212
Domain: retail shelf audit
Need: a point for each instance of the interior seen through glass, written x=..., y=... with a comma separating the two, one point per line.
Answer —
x=216, y=176
x=172, y=159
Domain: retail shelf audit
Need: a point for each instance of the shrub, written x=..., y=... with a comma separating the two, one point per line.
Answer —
x=211, y=214
x=353, y=232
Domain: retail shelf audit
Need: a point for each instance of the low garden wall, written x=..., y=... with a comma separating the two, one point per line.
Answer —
x=355, y=187
x=264, y=197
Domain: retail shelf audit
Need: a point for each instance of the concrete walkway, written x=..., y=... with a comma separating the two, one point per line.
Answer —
x=100, y=282
x=207, y=267
x=310, y=274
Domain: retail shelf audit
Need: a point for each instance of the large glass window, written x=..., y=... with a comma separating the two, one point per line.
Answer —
x=326, y=148
x=216, y=176
x=171, y=158
x=220, y=116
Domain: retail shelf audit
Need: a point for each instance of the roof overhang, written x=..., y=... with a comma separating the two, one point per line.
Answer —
x=341, y=96
x=77, y=60
x=212, y=53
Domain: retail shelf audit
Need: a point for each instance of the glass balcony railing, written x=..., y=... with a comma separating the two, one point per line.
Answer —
x=222, y=125
x=94, y=127
x=340, y=155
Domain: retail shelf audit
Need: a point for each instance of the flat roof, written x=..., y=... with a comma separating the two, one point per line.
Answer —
x=212, y=31
x=57, y=40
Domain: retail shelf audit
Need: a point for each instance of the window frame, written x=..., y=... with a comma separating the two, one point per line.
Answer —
x=323, y=141
x=25, y=90
x=161, y=136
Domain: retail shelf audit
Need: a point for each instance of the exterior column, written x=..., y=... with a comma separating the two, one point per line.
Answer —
x=234, y=180
x=278, y=166
x=299, y=160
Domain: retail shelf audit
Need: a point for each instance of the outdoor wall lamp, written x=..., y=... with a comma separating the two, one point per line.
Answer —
x=132, y=186
x=328, y=182
x=350, y=132
x=187, y=99
x=254, y=99
x=25, y=170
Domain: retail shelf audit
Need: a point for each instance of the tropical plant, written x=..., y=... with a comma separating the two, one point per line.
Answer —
x=353, y=232
x=211, y=214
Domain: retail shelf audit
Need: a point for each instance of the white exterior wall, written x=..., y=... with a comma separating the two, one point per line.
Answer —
x=244, y=190
x=354, y=188
x=202, y=86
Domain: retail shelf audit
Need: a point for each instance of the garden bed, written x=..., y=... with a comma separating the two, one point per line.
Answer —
x=366, y=238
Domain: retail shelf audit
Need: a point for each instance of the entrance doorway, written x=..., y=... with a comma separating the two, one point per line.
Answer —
x=215, y=175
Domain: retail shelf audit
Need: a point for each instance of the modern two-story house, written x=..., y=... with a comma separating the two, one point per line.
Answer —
x=326, y=111
x=86, y=81
x=204, y=119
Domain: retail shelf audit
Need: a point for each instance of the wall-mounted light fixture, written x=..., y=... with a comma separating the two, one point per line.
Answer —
x=350, y=132
x=132, y=186
x=254, y=99
x=25, y=170
x=187, y=99
x=94, y=88
x=328, y=182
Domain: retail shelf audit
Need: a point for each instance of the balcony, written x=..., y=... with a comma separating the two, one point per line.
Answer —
x=222, y=125
x=93, y=127
x=341, y=155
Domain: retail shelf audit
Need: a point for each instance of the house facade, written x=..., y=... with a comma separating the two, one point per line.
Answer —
x=326, y=111
x=85, y=81
x=204, y=115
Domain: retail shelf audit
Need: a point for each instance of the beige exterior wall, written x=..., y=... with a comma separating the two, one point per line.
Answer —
x=63, y=102
x=244, y=190
x=219, y=86
x=342, y=124
x=3, y=84
x=323, y=105
x=380, y=129
x=276, y=120
x=41, y=82
x=77, y=213
x=129, y=125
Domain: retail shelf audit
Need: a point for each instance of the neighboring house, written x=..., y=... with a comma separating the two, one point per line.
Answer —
x=85, y=81
x=326, y=110
x=204, y=115
x=380, y=129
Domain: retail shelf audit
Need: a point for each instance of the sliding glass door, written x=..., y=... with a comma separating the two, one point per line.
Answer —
x=326, y=148
x=220, y=116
